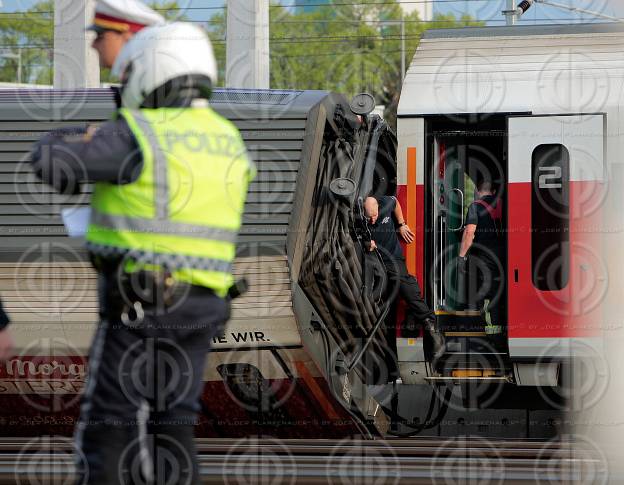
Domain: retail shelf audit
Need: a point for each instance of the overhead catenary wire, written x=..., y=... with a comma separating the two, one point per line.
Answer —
x=290, y=5
x=282, y=40
x=579, y=10
x=278, y=40
x=369, y=21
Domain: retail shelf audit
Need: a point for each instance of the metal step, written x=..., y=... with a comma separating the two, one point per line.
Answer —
x=465, y=334
x=467, y=379
x=476, y=353
x=459, y=313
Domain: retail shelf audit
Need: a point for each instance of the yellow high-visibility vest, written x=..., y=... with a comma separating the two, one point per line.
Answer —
x=185, y=209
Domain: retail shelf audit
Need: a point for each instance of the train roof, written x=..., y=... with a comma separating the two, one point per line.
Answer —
x=525, y=30
x=36, y=103
x=550, y=69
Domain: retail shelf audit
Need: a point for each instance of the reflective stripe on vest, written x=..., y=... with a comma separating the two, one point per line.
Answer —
x=137, y=224
x=192, y=225
x=161, y=183
x=170, y=261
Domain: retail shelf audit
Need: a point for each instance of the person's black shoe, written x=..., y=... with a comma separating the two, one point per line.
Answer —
x=437, y=338
x=496, y=337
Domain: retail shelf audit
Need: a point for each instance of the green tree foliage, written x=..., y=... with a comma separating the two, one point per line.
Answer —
x=169, y=9
x=343, y=48
x=31, y=36
x=348, y=48
x=216, y=31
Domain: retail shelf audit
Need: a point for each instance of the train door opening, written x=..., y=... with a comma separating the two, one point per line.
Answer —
x=461, y=155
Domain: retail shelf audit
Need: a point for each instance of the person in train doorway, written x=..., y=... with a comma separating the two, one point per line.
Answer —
x=386, y=223
x=165, y=215
x=481, y=256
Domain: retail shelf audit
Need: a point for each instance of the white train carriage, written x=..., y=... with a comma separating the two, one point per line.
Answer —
x=537, y=110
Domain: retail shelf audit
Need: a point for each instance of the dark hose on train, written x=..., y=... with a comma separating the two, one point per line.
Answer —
x=358, y=419
x=426, y=424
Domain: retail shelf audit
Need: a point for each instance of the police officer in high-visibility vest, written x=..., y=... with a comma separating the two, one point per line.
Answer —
x=171, y=181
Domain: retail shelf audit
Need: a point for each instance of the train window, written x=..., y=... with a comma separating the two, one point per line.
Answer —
x=550, y=217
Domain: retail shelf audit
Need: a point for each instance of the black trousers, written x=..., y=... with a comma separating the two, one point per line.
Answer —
x=403, y=285
x=141, y=399
x=487, y=282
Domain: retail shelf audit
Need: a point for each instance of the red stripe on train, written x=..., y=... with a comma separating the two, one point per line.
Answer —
x=573, y=311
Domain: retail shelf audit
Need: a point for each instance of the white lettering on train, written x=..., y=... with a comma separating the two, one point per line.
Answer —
x=28, y=368
x=241, y=337
x=37, y=386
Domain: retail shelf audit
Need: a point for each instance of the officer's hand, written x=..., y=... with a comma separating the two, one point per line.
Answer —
x=373, y=246
x=406, y=234
x=6, y=344
x=91, y=130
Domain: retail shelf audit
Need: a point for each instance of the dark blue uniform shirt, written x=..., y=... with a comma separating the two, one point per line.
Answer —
x=384, y=231
x=486, y=228
x=67, y=157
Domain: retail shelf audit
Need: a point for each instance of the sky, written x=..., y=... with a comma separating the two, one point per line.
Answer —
x=488, y=10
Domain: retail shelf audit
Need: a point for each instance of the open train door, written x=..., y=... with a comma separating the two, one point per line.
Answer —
x=556, y=276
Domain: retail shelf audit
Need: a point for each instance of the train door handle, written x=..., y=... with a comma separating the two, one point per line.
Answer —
x=461, y=224
x=515, y=275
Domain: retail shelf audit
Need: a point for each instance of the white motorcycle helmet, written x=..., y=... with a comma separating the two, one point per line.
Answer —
x=159, y=54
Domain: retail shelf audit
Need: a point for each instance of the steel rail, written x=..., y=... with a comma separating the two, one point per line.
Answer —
x=419, y=460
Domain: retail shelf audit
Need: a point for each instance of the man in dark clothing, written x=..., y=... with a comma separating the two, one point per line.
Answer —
x=483, y=239
x=383, y=213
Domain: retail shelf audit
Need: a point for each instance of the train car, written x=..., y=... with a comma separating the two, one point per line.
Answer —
x=538, y=111
x=260, y=379
x=310, y=350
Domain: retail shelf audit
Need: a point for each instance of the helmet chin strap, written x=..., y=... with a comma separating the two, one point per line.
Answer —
x=179, y=92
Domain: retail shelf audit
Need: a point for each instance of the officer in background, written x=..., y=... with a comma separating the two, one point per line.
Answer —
x=171, y=181
x=382, y=213
x=482, y=240
x=116, y=22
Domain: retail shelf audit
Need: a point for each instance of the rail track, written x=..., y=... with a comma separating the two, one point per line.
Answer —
x=265, y=460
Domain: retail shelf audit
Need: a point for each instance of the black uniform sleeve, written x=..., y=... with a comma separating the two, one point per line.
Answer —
x=473, y=215
x=65, y=158
x=4, y=318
